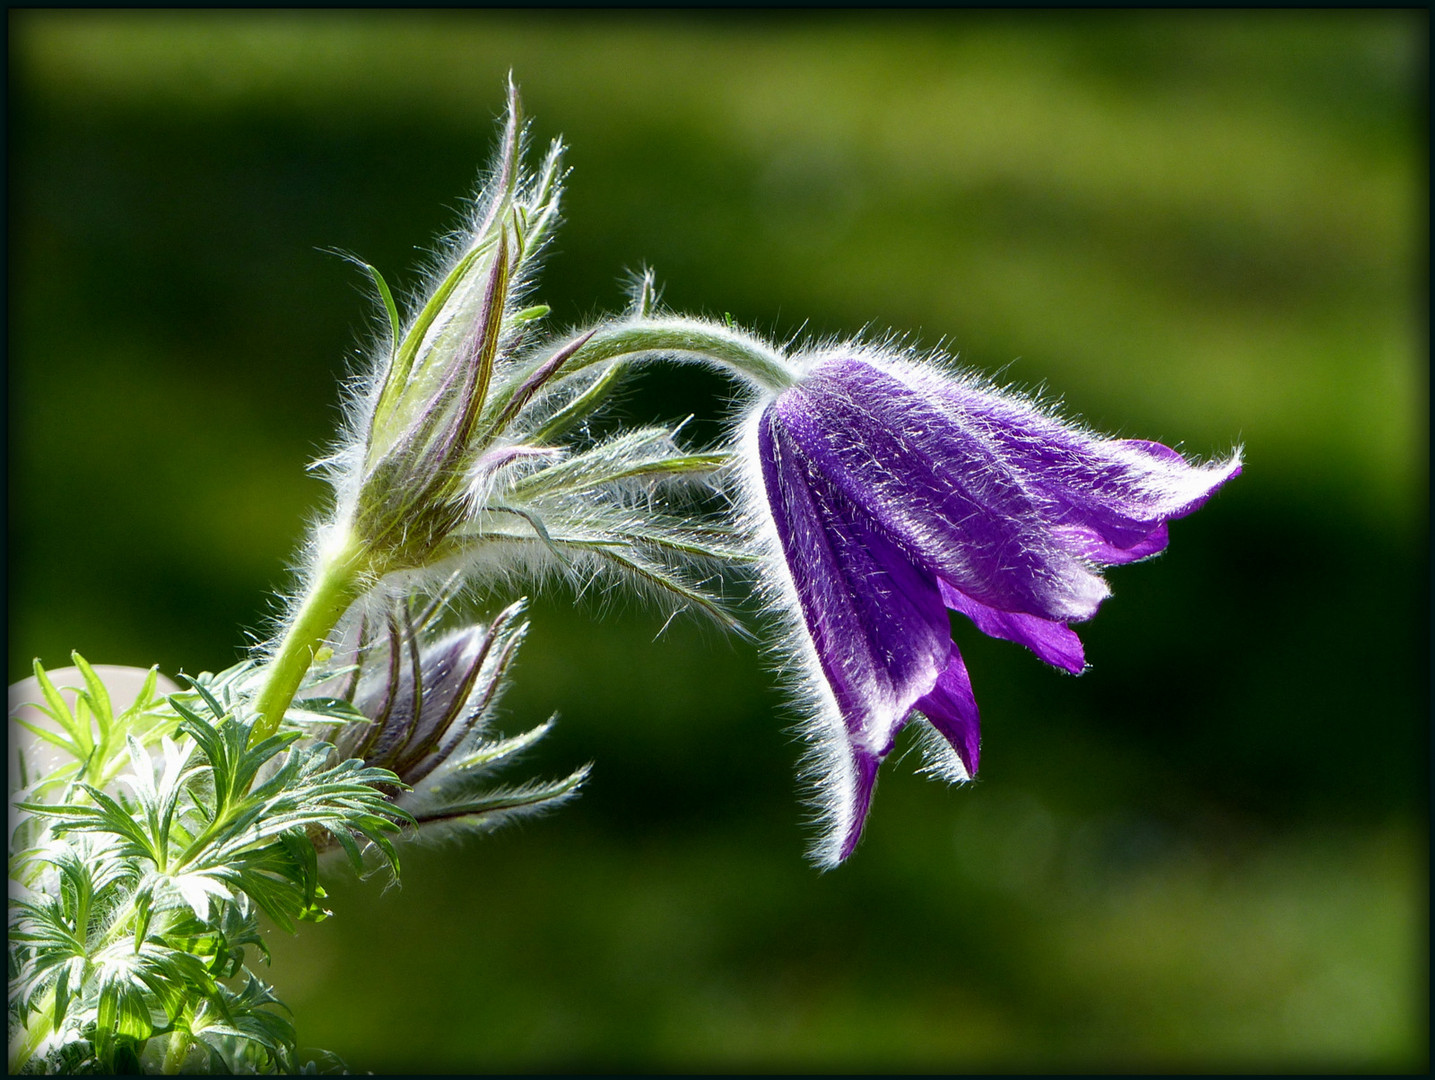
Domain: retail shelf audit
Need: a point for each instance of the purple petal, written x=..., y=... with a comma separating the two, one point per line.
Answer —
x=951, y=708
x=1109, y=498
x=942, y=490
x=876, y=621
x=500, y=457
x=1054, y=642
x=450, y=669
x=1092, y=546
x=540, y=375
x=864, y=779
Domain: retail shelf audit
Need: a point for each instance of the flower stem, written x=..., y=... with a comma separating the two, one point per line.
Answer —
x=176, y=1051
x=337, y=583
x=744, y=355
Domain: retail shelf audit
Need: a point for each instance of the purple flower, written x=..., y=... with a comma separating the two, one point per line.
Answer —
x=892, y=493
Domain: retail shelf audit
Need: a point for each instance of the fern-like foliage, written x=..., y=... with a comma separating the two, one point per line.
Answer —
x=139, y=870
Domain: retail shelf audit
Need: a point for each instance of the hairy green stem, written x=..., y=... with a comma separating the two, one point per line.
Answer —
x=337, y=583
x=176, y=1051
x=743, y=354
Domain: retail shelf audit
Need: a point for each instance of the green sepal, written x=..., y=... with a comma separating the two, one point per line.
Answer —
x=536, y=523
x=408, y=349
x=480, y=808
x=644, y=452
x=491, y=753
x=668, y=583
x=392, y=309
x=582, y=406
x=537, y=311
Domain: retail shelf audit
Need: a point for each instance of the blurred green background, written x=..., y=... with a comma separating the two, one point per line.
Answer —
x=1208, y=853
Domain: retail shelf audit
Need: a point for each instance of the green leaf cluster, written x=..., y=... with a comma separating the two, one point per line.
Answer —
x=139, y=870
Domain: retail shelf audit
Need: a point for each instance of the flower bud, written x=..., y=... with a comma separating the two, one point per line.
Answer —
x=428, y=416
x=428, y=700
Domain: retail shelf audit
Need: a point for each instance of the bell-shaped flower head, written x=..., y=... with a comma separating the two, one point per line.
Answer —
x=890, y=493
